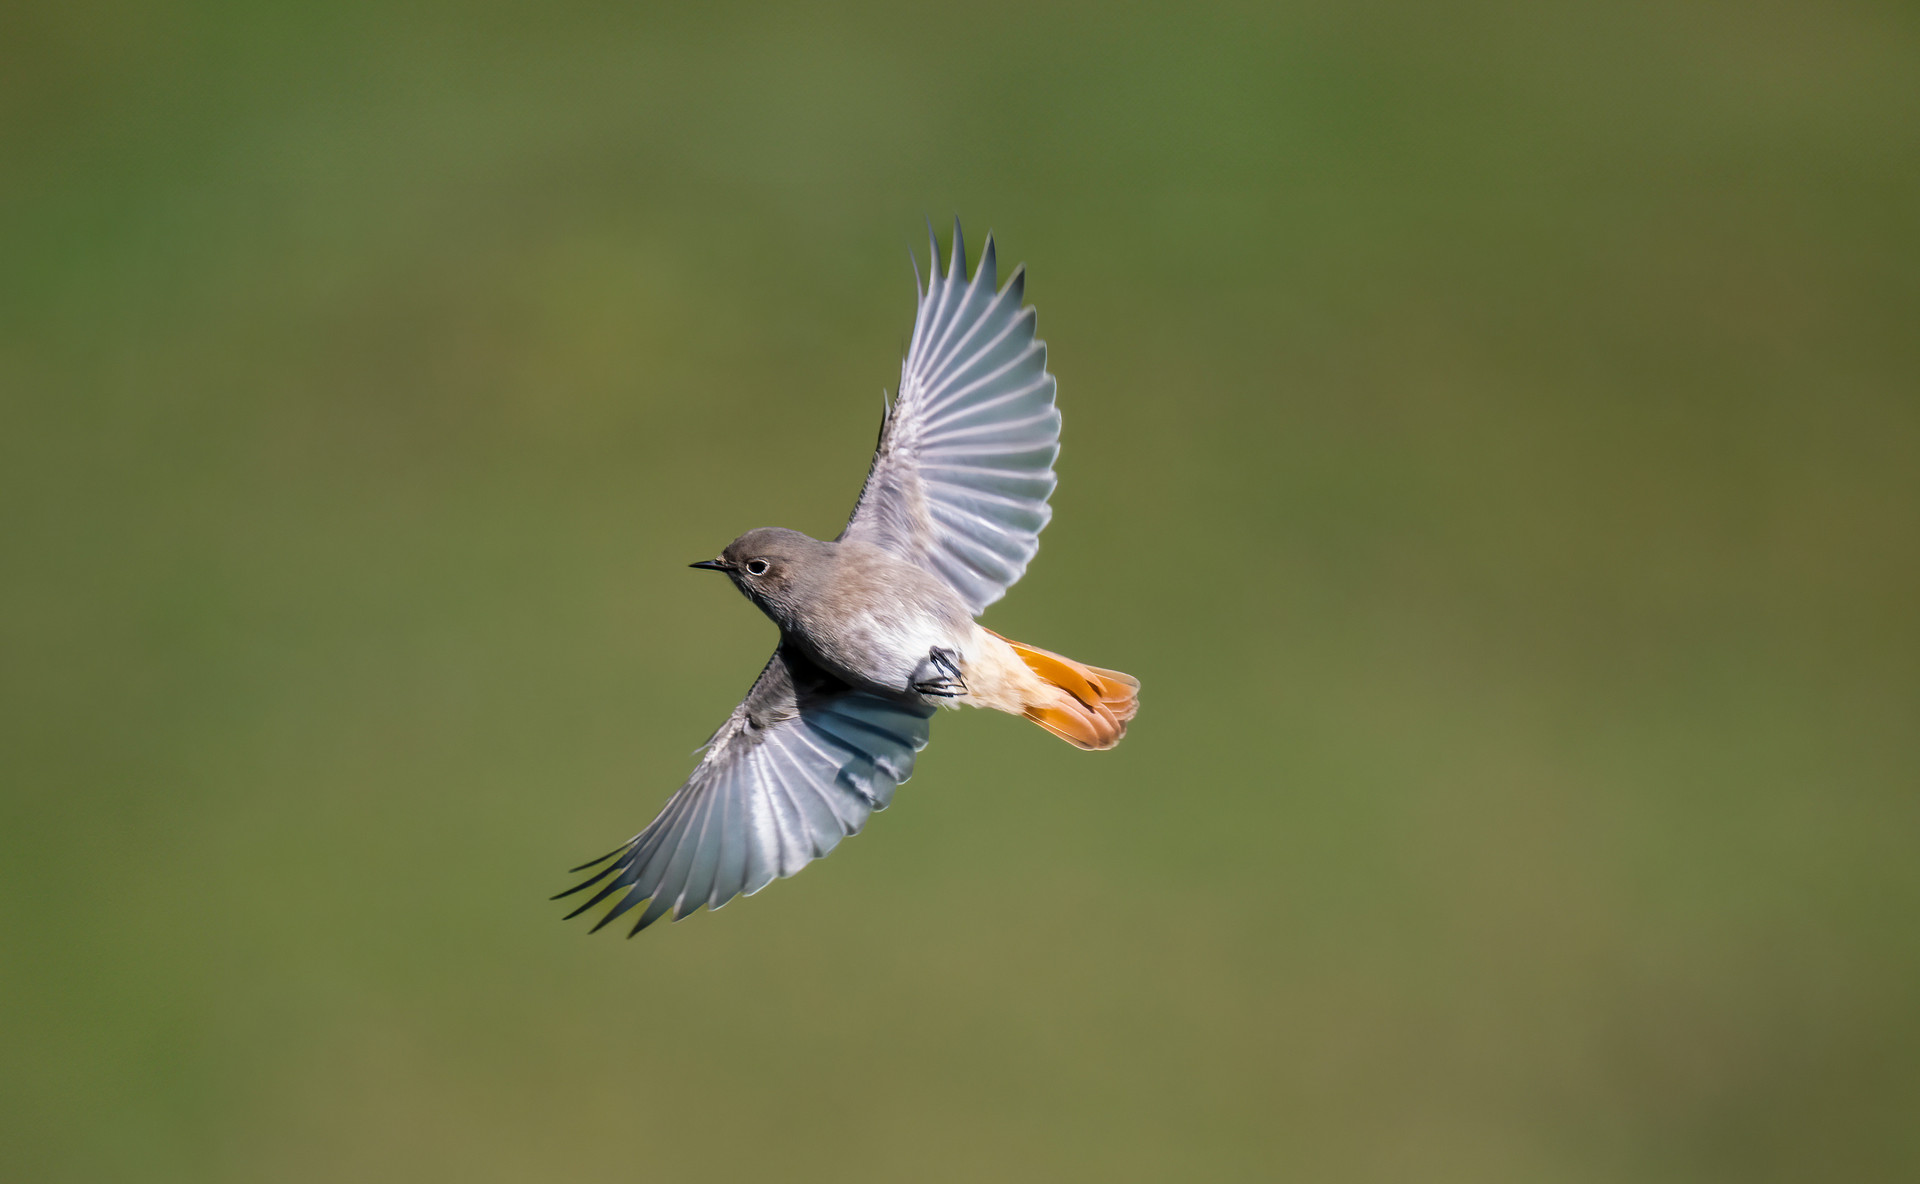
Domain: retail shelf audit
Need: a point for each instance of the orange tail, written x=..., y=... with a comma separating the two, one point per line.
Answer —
x=1098, y=703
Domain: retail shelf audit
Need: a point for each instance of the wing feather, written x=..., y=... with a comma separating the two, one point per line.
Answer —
x=706, y=858
x=964, y=467
x=730, y=862
x=802, y=763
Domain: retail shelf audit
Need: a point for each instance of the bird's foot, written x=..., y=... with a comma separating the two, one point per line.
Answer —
x=939, y=675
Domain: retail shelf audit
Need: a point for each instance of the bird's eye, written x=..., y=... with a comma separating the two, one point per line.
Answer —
x=757, y=567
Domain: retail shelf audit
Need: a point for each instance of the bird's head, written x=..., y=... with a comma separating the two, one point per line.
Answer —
x=768, y=563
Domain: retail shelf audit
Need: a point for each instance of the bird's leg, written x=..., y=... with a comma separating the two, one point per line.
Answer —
x=939, y=675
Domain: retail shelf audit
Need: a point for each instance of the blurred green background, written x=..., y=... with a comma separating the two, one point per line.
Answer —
x=1491, y=435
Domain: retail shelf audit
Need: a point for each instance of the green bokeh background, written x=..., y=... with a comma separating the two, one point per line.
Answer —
x=1492, y=434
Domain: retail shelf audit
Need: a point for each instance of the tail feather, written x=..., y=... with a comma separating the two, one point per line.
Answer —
x=1093, y=713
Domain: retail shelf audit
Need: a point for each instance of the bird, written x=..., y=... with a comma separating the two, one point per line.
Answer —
x=878, y=626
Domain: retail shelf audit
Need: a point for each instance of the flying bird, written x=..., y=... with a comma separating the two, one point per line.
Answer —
x=877, y=626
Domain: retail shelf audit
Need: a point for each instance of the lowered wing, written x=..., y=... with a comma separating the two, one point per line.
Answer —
x=799, y=765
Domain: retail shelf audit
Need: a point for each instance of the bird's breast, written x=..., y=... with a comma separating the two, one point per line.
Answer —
x=883, y=645
x=872, y=618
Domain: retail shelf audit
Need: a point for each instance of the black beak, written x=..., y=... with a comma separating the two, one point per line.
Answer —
x=711, y=565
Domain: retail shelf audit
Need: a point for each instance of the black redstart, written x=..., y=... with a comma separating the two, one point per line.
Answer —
x=877, y=626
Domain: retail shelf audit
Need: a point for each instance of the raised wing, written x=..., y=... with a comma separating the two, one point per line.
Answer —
x=799, y=765
x=961, y=478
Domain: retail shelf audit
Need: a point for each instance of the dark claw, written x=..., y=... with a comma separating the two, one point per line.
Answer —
x=946, y=681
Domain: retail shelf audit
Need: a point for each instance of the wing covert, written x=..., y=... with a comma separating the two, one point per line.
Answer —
x=964, y=467
x=801, y=763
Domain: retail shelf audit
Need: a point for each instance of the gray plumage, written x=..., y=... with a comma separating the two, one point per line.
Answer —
x=947, y=521
x=853, y=608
